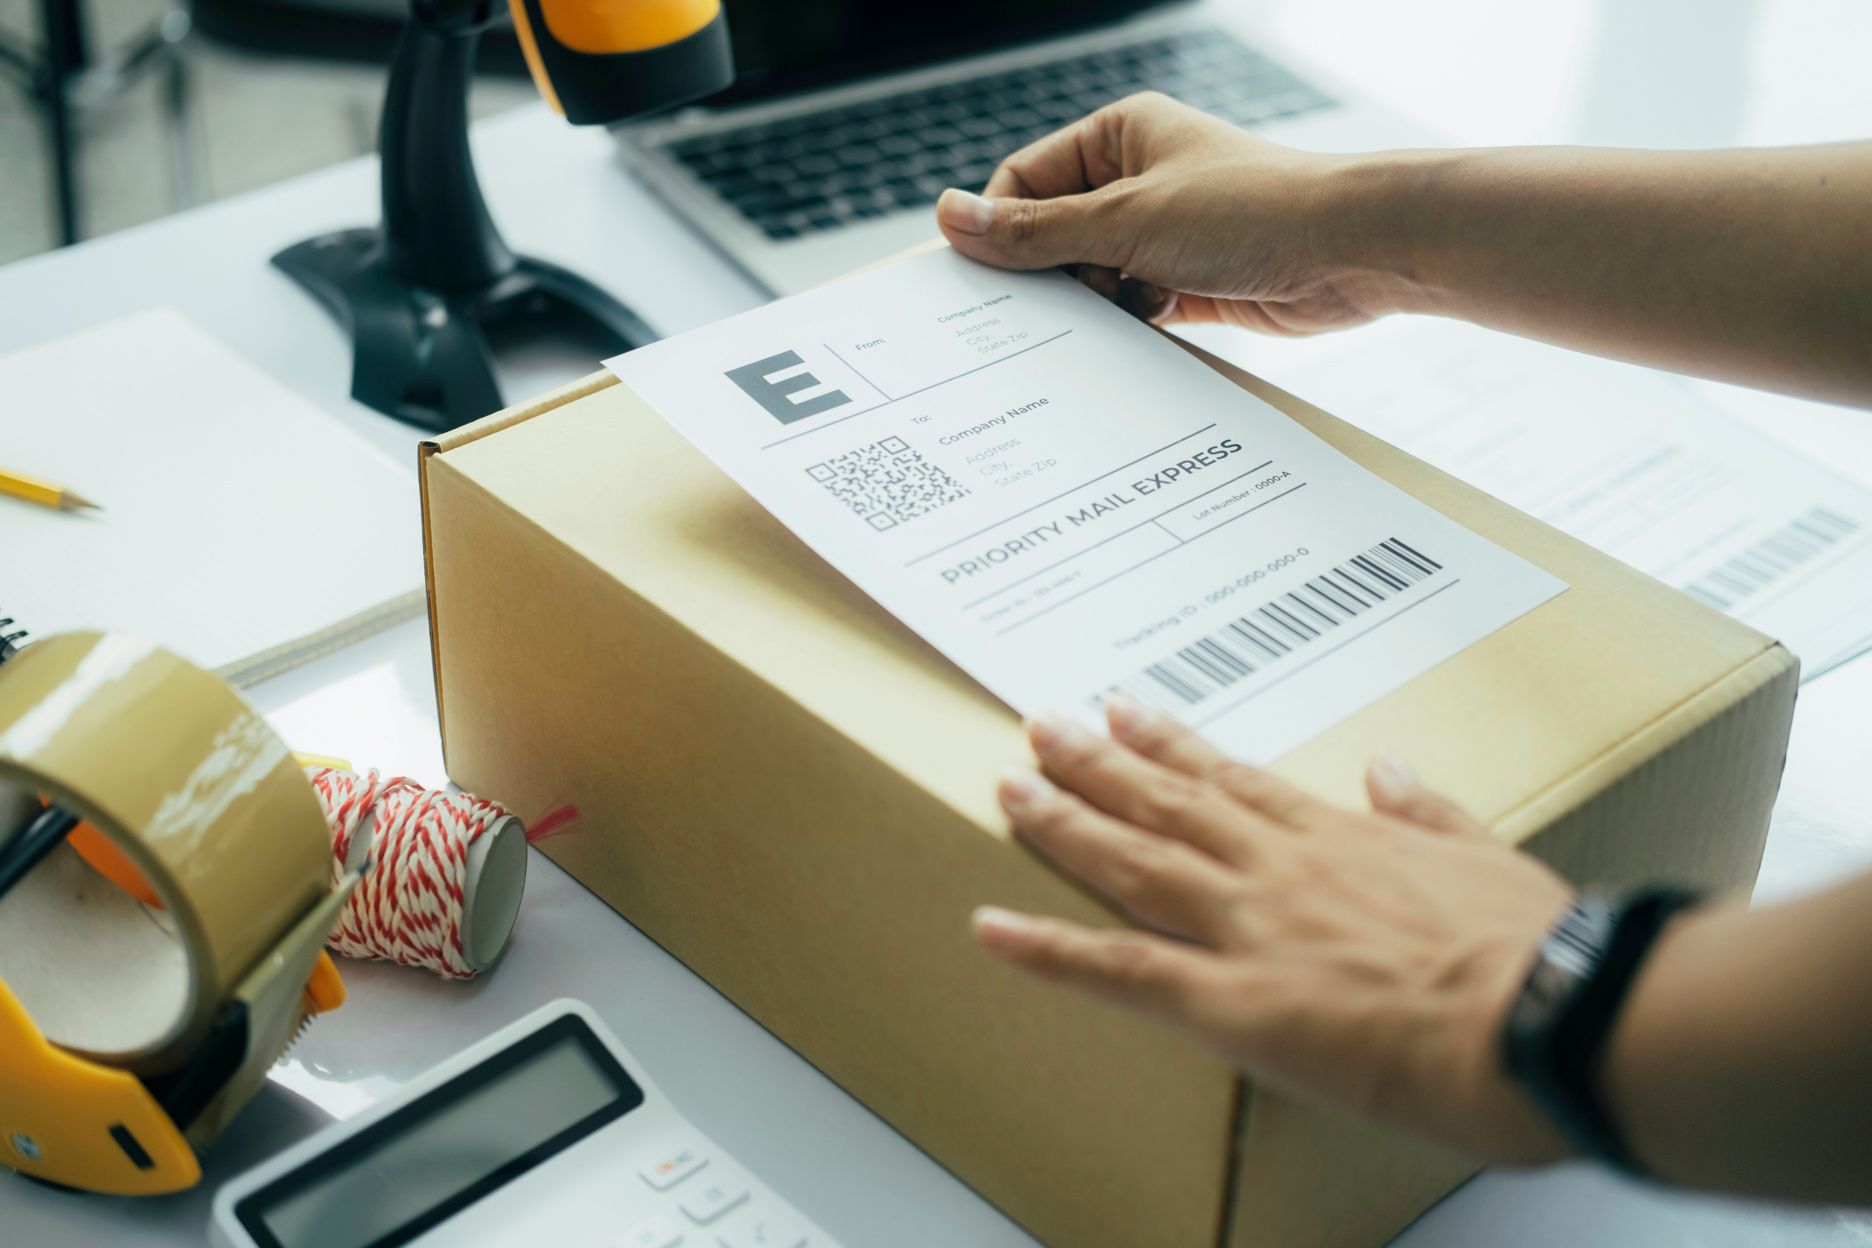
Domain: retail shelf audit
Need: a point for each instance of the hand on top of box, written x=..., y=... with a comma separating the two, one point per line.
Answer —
x=1364, y=960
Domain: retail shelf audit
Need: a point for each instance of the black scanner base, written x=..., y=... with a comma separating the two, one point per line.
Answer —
x=426, y=357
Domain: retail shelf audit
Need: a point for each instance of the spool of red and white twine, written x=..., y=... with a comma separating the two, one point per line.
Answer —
x=446, y=875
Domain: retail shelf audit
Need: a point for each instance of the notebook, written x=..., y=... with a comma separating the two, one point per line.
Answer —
x=242, y=526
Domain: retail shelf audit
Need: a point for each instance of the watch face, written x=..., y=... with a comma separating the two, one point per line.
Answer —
x=1579, y=940
x=1570, y=954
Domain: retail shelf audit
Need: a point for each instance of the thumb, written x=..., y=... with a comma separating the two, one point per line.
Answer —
x=1029, y=233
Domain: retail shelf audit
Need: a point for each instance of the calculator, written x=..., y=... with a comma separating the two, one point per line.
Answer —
x=547, y=1132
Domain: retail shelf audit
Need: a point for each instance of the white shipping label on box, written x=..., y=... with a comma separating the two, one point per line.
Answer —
x=1066, y=504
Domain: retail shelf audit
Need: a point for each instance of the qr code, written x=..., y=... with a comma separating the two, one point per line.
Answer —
x=887, y=483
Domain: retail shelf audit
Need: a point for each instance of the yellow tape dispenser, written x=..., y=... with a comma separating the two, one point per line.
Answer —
x=166, y=889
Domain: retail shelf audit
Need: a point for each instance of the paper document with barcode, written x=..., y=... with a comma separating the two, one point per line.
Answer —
x=1066, y=504
x=1641, y=464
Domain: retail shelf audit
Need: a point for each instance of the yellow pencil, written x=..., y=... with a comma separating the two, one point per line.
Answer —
x=33, y=490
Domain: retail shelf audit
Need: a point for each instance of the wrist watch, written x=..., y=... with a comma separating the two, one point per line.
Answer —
x=1559, y=1023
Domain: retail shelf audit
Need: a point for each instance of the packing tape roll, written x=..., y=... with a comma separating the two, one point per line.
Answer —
x=182, y=776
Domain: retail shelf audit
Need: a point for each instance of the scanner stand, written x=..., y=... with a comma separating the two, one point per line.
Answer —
x=428, y=295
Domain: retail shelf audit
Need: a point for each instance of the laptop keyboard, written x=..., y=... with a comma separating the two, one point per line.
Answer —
x=819, y=171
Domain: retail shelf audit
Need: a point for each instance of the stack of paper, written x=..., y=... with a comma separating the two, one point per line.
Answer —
x=242, y=527
x=1634, y=461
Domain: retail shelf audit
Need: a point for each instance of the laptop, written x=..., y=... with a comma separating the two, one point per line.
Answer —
x=849, y=117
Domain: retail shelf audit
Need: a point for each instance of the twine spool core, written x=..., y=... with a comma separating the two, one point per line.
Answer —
x=491, y=898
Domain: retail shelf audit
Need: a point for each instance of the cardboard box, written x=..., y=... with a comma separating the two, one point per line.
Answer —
x=793, y=793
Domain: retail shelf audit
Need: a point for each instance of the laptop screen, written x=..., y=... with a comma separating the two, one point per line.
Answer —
x=791, y=45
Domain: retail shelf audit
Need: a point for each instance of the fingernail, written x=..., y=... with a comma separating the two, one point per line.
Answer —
x=992, y=921
x=1022, y=789
x=1129, y=715
x=965, y=211
x=1391, y=775
x=1050, y=730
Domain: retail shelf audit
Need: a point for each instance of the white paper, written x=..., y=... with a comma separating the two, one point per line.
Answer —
x=1633, y=461
x=239, y=520
x=1065, y=503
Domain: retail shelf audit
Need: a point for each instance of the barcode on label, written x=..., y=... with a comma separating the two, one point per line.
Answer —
x=1768, y=560
x=1283, y=626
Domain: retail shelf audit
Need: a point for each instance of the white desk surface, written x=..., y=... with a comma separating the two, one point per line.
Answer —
x=1645, y=72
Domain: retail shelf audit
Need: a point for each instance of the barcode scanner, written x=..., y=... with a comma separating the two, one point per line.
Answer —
x=429, y=295
x=599, y=61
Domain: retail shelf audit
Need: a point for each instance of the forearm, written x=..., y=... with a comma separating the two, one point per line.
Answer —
x=1743, y=1058
x=1752, y=266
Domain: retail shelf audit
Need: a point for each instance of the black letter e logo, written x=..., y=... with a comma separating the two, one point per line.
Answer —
x=772, y=395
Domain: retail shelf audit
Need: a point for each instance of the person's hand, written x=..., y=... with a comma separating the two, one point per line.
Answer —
x=1365, y=961
x=1178, y=216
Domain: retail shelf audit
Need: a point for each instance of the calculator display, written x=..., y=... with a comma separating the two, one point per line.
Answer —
x=483, y=1129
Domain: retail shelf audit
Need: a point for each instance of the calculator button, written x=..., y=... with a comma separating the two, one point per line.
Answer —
x=659, y=1232
x=774, y=1232
x=674, y=1168
x=709, y=1201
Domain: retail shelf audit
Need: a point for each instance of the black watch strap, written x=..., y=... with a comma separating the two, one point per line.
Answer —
x=1569, y=1003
